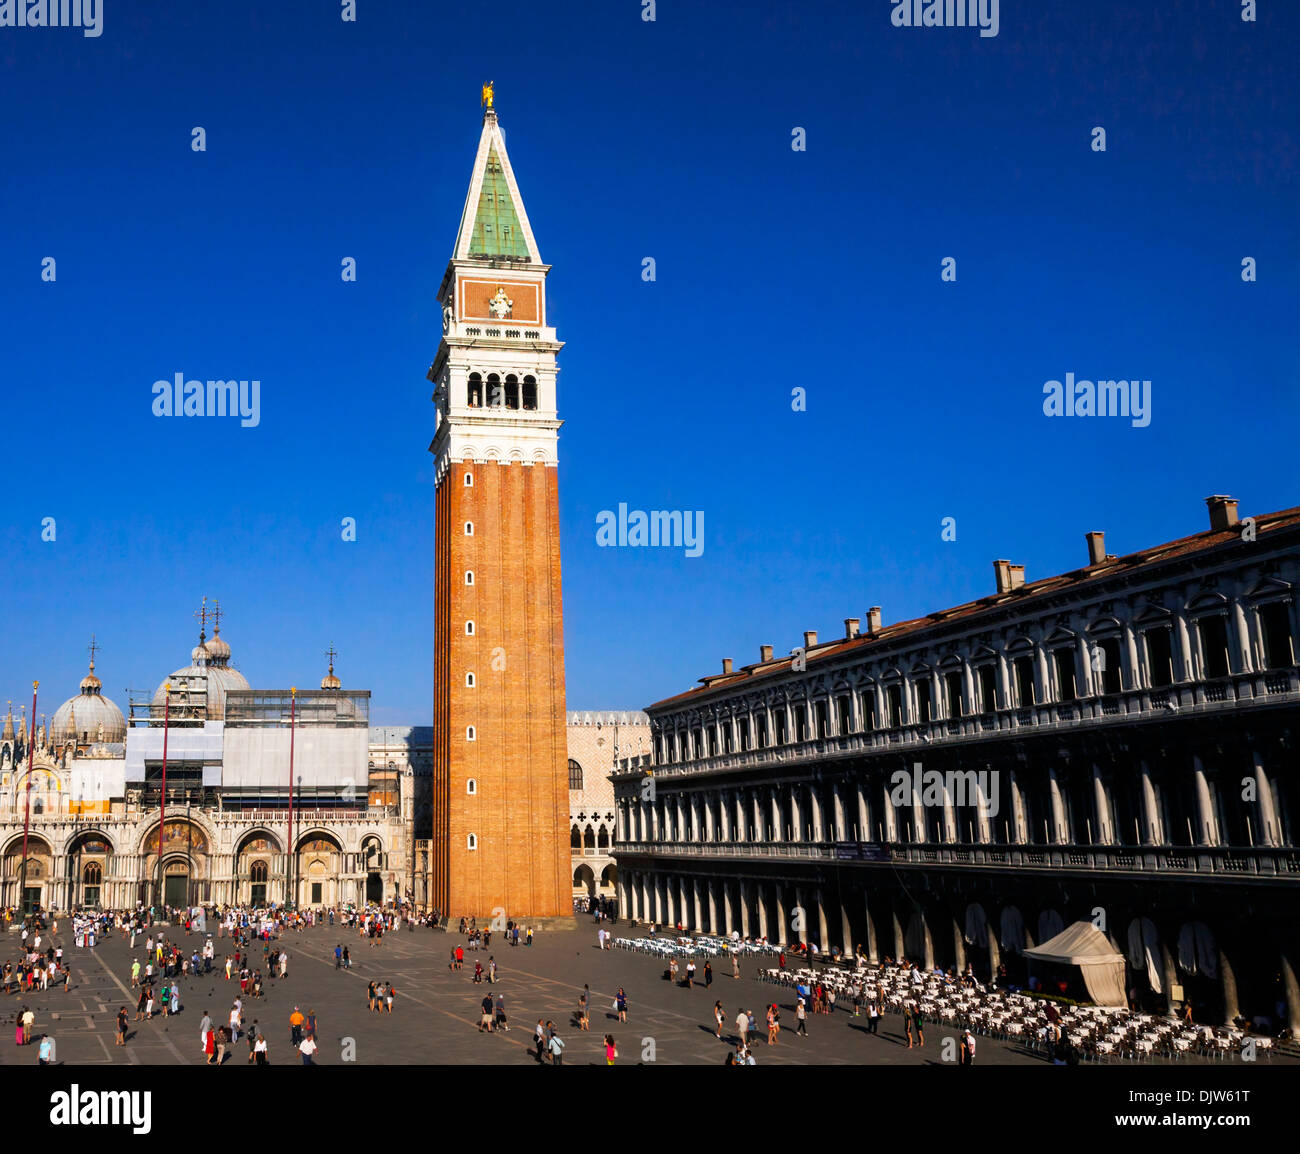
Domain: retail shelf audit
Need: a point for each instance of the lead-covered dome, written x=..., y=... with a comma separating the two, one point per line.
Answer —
x=198, y=692
x=79, y=718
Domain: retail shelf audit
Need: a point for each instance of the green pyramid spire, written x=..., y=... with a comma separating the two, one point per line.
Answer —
x=497, y=232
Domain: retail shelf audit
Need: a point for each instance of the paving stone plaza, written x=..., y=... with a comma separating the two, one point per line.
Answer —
x=436, y=1010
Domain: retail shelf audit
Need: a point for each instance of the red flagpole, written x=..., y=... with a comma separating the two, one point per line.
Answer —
x=27, y=817
x=293, y=709
x=162, y=808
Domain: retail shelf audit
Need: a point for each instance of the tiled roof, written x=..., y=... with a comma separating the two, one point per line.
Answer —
x=1110, y=567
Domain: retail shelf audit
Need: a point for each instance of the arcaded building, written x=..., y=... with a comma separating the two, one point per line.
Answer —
x=500, y=777
x=1116, y=744
x=598, y=740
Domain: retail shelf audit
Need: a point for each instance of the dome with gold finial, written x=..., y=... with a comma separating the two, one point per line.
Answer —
x=79, y=718
x=329, y=681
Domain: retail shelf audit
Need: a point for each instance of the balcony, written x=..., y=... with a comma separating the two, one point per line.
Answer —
x=1225, y=694
x=1187, y=861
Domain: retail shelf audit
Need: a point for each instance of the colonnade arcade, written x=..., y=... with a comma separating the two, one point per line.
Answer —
x=1173, y=954
x=112, y=868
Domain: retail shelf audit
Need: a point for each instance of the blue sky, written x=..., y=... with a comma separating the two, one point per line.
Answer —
x=776, y=269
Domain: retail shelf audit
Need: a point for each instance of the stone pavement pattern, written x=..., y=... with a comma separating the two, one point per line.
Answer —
x=435, y=1016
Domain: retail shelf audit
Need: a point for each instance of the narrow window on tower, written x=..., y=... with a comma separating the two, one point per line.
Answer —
x=469, y=576
x=512, y=392
x=469, y=629
x=469, y=681
x=530, y=395
x=469, y=528
x=475, y=398
x=471, y=842
x=471, y=787
x=470, y=733
x=469, y=480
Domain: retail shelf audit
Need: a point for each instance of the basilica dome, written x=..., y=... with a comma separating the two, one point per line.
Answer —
x=79, y=718
x=198, y=692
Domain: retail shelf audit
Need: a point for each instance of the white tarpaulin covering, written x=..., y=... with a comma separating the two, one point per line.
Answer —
x=1144, y=951
x=1013, y=930
x=1197, y=952
x=1085, y=946
x=977, y=929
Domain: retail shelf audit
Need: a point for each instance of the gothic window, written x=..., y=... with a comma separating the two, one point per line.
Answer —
x=575, y=775
x=258, y=873
x=575, y=839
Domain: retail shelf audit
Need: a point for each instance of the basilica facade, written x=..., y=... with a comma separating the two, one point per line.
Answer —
x=207, y=792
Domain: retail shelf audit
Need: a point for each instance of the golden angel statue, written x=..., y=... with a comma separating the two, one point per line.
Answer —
x=488, y=93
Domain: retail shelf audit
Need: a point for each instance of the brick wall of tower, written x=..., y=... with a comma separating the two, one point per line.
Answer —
x=519, y=811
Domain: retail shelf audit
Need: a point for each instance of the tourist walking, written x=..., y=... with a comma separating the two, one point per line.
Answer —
x=611, y=1050
x=717, y=1017
x=121, y=1027
x=620, y=1004
x=801, y=1013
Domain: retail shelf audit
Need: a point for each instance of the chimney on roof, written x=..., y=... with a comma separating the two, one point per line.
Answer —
x=726, y=665
x=1096, y=548
x=1223, y=512
x=765, y=653
x=851, y=627
x=873, y=619
x=809, y=638
x=1008, y=576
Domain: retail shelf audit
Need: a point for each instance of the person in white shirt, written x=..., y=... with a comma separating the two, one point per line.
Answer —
x=307, y=1048
x=260, y=1051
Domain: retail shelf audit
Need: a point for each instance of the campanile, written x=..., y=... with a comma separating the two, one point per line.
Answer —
x=500, y=768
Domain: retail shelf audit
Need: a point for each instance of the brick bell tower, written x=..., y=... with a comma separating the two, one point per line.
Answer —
x=500, y=765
